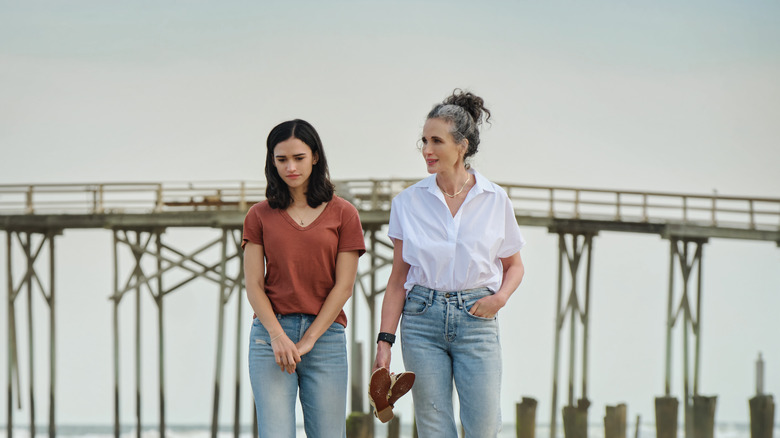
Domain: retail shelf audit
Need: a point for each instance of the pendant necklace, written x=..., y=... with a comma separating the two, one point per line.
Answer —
x=300, y=220
x=459, y=191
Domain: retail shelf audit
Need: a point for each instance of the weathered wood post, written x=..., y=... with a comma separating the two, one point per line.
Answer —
x=356, y=384
x=704, y=416
x=762, y=416
x=575, y=419
x=638, y=422
x=394, y=428
x=615, y=421
x=666, y=409
x=525, y=418
x=360, y=425
x=762, y=407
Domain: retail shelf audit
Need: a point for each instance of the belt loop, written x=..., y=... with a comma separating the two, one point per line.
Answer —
x=460, y=300
x=430, y=297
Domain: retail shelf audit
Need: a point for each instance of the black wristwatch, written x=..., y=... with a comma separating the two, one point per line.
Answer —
x=387, y=337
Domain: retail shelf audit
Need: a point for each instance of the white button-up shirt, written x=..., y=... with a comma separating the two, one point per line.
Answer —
x=449, y=253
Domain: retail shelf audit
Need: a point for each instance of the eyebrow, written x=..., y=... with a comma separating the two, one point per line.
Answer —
x=296, y=155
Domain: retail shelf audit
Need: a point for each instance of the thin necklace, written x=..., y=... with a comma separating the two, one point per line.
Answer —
x=299, y=220
x=459, y=191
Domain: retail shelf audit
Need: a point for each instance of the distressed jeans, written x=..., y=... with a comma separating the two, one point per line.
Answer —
x=320, y=380
x=443, y=343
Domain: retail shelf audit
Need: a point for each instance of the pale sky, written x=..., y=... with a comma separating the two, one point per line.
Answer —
x=661, y=97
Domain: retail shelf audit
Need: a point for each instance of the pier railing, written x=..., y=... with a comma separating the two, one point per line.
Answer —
x=751, y=213
x=128, y=198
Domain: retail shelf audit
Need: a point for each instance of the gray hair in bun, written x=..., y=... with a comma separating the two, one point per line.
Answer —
x=465, y=111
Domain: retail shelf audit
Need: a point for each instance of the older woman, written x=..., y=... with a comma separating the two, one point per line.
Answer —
x=456, y=262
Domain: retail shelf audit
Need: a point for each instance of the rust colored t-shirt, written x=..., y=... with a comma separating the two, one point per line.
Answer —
x=300, y=262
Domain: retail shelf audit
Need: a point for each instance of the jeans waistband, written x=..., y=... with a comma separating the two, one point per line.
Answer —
x=432, y=294
x=294, y=316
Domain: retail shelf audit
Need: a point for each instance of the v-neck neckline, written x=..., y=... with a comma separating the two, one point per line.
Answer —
x=297, y=224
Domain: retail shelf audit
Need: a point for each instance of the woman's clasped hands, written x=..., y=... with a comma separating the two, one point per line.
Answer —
x=287, y=354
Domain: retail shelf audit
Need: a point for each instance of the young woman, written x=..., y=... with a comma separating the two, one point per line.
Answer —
x=301, y=249
x=456, y=262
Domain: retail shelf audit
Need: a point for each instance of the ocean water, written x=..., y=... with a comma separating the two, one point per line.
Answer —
x=722, y=430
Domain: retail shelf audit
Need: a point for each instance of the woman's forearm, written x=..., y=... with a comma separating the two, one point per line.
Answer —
x=346, y=269
x=395, y=294
x=261, y=305
x=512, y=276
x=254, y=274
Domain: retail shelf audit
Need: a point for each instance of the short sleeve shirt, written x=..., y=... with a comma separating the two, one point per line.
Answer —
x=300, y=262
x=455, y=253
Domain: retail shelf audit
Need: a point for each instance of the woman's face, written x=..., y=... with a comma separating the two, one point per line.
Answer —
x=439, y=149
x=294, y=161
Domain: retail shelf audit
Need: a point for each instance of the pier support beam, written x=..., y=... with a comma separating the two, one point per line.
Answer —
x=32, y=244
x=687, y=254
x=576, y=311
x=230, y=245
x=140, y=242
x=366, y=282
x=151, y=260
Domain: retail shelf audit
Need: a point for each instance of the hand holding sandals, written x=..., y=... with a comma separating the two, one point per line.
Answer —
x=384, y=389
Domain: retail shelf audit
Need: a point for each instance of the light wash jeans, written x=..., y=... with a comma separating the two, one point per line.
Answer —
x=441, y=342
x=321, y=377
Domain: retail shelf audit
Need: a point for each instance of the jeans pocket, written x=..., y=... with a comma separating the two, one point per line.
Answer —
x=259, y=334
x=479, y=318
x=468, y=304
x=336, y=328
x=415, y=305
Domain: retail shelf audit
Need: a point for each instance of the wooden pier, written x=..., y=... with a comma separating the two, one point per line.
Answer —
x=138, y=215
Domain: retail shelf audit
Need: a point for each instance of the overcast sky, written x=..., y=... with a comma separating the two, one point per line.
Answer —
x=601, y=94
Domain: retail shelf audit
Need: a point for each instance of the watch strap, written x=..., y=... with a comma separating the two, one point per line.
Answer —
x=387, y=337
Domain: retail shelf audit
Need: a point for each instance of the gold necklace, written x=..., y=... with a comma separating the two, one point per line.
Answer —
x=299, y=220
x=459, y=191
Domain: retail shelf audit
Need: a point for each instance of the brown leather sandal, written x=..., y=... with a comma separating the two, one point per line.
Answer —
x=400, y=384
x=378, y=391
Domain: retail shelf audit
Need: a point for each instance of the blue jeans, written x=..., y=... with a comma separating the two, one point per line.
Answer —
x=442, y=342
x=321, y=377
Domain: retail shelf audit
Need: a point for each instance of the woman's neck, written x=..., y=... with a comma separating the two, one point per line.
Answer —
x=451, y=182
x=298, y=198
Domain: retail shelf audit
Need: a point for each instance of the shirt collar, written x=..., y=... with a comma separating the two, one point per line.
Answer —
x=482, y=184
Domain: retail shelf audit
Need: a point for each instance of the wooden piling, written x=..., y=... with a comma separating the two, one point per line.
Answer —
x=360, y=425
x=394, y=428
x=575, y=419
x=704, y=416
x=525, y=418
x=615, y=421
x=638, y=422
x=762, y=416
x=356, y=386
x=666, y=410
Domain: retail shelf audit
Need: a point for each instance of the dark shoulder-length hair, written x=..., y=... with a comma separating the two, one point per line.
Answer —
x=320, y=186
